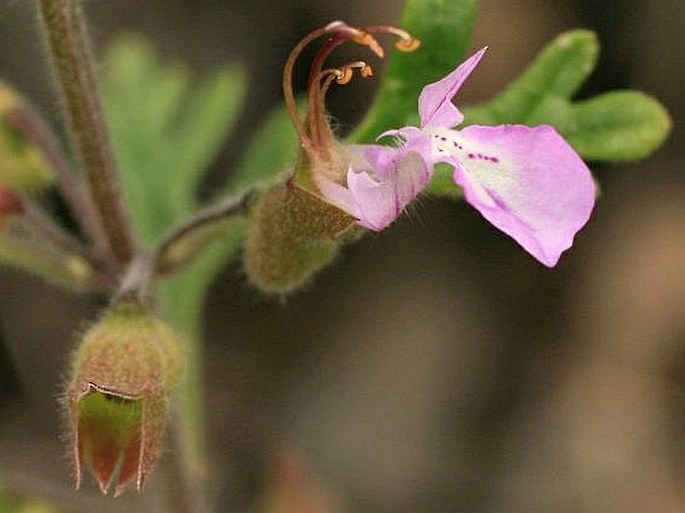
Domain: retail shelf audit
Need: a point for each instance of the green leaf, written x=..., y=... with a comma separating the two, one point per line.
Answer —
x=210, y=116
x=444, y=28
x=615, y=126
x=166, y=130
x=557, y=72
x=619, y=125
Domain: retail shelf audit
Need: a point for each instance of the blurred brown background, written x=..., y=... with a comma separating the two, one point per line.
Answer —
x=436, y=367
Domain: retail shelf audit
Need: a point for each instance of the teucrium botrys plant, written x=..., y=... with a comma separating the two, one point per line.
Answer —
x=138, y=154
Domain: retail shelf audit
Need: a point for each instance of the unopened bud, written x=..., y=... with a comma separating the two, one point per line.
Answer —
x=118, y=397
x=292, y=235
x=22, y=164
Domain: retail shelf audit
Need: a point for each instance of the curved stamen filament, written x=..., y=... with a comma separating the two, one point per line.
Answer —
x=317, y=138
x=345, y=33
x=317, y=114
x=288, y=93
x=342, y=32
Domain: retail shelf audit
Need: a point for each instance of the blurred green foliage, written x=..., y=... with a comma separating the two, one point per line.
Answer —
x=167, y=128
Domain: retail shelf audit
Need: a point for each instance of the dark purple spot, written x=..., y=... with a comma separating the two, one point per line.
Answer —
x=494, y=159
x=443, y=139
x=472, y=156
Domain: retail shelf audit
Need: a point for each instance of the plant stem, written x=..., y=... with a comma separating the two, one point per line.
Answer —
x=27, y=121
x=64, y=28
x=187, y=240
x=181, y=299
x=44, y=226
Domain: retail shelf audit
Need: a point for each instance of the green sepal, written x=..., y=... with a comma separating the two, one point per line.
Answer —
x=442, y=182
x=292, y=234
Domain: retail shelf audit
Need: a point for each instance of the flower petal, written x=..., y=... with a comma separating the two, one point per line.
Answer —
x=339, y=196
x=435, y=102
x=381, y=202
x=527, y=181
x=385, y=182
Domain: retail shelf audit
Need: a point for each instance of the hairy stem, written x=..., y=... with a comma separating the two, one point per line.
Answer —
x=187, y=240
x=65, y=34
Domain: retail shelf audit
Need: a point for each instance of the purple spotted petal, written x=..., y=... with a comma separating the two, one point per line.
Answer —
x=527, y=181
x=435, y=102
x=377, y=195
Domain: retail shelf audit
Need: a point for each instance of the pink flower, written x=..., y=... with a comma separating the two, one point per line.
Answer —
x=527, y=181
x=371, y=183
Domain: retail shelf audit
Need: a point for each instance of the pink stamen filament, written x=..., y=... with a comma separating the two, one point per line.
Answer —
x=288, y=93
x=342, y=75
x=320, y=80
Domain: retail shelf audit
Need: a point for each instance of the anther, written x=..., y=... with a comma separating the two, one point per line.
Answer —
x=406, y=42
x=408, y=45
x=344, y=74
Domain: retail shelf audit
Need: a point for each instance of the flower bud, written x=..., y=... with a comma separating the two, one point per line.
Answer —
x=22, y=164
x=118, y=398
x=292, y=234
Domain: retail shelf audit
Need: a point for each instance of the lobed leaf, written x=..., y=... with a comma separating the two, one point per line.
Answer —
x=616, y=126
x=557, y=72
x=166, y=130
